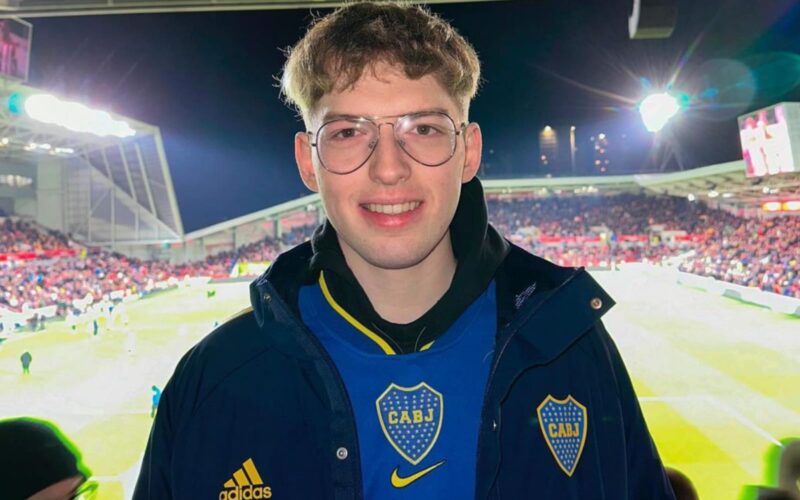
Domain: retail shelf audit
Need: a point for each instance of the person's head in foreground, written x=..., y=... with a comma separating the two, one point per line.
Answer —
x=38, y=463
x=681, y=485
x=789, y=468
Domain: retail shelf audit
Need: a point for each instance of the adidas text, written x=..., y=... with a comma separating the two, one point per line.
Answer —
x=246, y=493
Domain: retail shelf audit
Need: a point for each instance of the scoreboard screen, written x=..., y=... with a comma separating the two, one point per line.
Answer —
x=15, y=48
x=770, y=139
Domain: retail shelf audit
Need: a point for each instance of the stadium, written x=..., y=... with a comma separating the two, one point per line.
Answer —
x=703, y=265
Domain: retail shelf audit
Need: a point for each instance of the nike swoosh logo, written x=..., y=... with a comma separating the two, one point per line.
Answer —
x=402, y=482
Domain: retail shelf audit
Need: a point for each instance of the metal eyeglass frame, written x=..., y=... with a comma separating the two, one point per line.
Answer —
x=459, y=130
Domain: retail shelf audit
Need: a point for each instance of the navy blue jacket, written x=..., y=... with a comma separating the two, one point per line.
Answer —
x=258, y=410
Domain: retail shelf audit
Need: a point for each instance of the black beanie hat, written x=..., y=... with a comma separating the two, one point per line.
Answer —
x=33, y=456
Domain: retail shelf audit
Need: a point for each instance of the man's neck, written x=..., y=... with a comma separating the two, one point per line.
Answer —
x=403, y=295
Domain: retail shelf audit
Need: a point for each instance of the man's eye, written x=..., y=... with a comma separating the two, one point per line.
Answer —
x=344, y=133
x=348, y=132
x=427, y=129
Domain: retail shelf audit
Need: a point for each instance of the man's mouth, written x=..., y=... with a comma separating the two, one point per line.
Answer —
x=395, y=209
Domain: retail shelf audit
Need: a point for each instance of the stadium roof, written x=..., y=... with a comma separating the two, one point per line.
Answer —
x=24, y=130
x=51, y=8
x=611, y=184
x=275, y=212
x=125, y=185
x=727, y=181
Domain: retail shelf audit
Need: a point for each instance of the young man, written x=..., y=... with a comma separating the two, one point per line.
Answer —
x=407, y=351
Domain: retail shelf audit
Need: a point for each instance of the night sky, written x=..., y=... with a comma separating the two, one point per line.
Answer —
x=208, y=80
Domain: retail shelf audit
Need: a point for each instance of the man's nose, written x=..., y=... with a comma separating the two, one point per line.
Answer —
x=389, y=163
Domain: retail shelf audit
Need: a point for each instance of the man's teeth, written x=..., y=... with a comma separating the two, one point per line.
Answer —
x=393, y=209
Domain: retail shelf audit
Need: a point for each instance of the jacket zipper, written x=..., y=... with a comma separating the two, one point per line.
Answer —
x=356, y=456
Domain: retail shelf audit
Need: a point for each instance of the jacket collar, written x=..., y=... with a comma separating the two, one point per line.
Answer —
x=546, y=298
x=552, y=306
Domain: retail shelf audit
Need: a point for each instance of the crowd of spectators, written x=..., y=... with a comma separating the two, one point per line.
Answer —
x=751, y=252
x=591, y=231
x=297, y=235
x=578, y=215
x=603, y=231
x=41, y=281
x=19, y=236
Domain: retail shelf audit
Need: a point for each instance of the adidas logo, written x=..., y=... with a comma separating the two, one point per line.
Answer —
x=246, y=484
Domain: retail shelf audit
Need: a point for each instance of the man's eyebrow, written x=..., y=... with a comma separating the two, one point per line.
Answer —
x=335, y=115
x=338, y=116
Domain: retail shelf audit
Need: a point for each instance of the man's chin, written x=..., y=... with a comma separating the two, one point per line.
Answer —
x=394, y=262
x=395, y=254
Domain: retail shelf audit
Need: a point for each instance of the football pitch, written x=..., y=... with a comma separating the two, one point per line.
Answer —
x=717, y=379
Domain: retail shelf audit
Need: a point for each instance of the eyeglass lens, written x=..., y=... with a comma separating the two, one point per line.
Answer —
x=346, y=144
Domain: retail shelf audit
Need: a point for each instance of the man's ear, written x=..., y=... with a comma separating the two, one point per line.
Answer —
x=473, y=142
x=304, y=159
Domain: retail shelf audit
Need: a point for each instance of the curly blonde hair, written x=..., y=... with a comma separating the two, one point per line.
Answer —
x=338, y=48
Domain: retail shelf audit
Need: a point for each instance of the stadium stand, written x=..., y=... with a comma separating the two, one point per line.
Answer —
x=605, y=231
x=18, y=236
x=752, y=252
x=36, y=279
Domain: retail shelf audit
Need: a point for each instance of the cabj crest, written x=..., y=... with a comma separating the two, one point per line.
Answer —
x=563, y=424
x=411, y=419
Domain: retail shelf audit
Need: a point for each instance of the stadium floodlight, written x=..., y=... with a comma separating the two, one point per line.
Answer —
x=75, y=116
x=658, y=109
